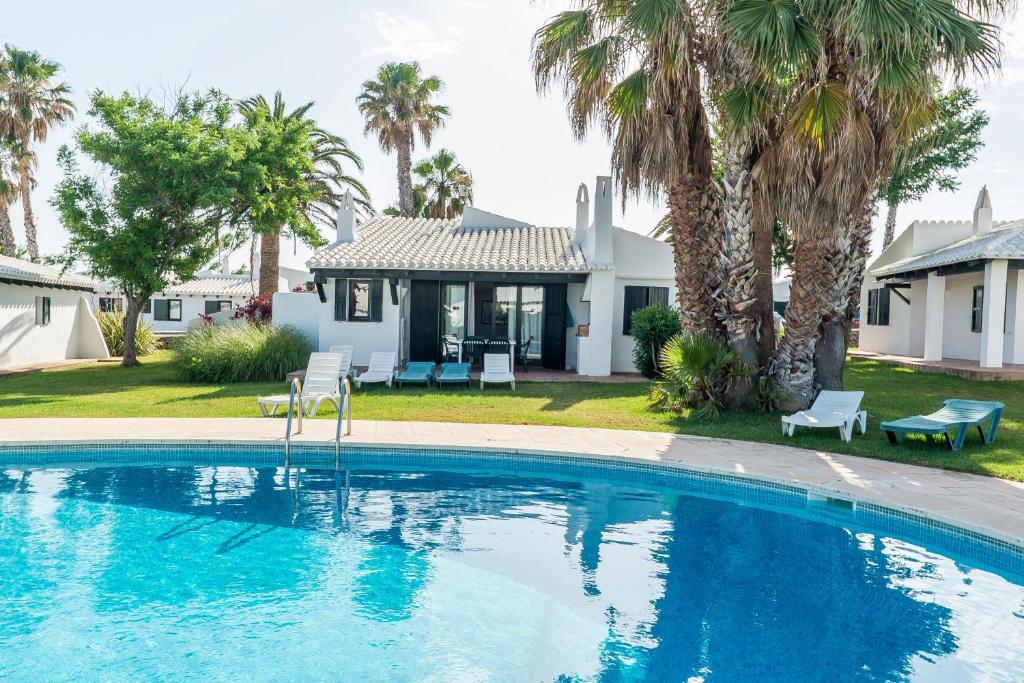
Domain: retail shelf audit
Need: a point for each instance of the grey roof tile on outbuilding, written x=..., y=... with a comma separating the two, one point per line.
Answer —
x=1004, y=242
x=26, y=272
x=205, y=285
x=387, y=243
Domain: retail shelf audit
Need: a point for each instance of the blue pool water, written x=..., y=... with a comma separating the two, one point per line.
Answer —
x=473, y=570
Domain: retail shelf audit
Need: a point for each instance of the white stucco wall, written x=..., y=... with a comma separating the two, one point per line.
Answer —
x=957, y=339
x=365, y=337
x=301, y=311
x=23, y=342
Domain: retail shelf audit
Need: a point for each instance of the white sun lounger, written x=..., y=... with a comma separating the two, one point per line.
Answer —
x=831, y=409
x=346, y=358
x=320, y=384
x=382, y=369
x=496, y=370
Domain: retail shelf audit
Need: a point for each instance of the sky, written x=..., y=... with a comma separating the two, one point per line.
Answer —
x=524, y=159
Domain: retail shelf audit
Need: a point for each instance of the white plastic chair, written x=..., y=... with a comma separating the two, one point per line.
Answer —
x=497, y=370
x=382, y=369
x=320, y=384
x=831, y=409
x=346, y=358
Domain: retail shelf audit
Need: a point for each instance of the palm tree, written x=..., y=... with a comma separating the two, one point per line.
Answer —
x=396, y=105
x=447, y=185
x=297, y=179
x=841, y=104
x=32, y=103
x=631, y=68
x=8, y=194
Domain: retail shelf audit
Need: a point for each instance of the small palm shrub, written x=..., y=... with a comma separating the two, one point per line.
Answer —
x=653, y=326
x=697, y=372
x=240, y=352
x=112, y=327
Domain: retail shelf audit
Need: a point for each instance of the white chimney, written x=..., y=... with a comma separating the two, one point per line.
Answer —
x=983, y=214
x=346, y=219
x=602, y=238
x=225, y=267
x=582, y=215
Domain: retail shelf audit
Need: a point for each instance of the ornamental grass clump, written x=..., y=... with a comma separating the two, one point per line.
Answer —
x=112, y=327
x=240, y=352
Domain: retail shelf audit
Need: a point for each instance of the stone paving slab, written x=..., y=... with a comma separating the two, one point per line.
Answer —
x=984, y=504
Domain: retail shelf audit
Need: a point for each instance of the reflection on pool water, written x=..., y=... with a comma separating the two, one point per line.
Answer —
x=255, y=573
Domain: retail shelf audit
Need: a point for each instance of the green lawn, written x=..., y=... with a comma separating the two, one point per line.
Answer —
x=154, y=390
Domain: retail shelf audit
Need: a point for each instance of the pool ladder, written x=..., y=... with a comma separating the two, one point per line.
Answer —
x=344, y=411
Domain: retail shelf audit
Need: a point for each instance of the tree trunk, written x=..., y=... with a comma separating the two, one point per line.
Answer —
x=131, y=324
x=405, y=198
x=764, y=294
x=735, y=259
x=8, y=246
x=692, y=212
x=837, y=322
x=270, y=258
x=890, y=226
x=25, y=182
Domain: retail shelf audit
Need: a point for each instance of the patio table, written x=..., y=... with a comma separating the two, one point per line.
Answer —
x=511, y=352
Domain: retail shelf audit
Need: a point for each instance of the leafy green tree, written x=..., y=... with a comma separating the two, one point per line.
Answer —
x=170, y=174
x=397, y=105
x=928, y=161
x=31, y=102
x=292, y=179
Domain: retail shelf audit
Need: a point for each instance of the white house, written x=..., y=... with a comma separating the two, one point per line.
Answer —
x=45, y=316
x=181, y=304
x=949, y=289
x=563, y=296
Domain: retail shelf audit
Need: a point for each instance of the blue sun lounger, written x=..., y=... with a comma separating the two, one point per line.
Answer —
x=454, y=373
x=956, y=413
x=417, y=372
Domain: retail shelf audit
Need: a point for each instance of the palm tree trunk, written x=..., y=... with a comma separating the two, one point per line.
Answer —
x=270, y=258
x=693, y=212
x=24, y=170
x=736, y=258
x=764, y=294
x=8, y=246
x=405, y=199
x=131, y=324
x=835, y=337
x=890, y=226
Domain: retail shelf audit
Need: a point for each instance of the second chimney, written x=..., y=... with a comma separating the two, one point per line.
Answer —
x=346, y=219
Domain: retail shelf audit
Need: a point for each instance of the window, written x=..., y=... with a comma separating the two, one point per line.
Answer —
x=110, y=304
x=878, y=306
x=167, y=309
x=977, y=307
x=359, y=300
x=640, y=297
x=217, y=306
x=148, y=306
x=42, y=310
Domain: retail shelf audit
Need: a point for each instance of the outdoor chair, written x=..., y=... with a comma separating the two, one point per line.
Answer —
x=450, y=348
x=346, y=358
x=523, y=353
x=831, y=409
x=320, y=384
x=382, y=369
x=499, y=345
x=417, y=372
x=454, y=373
x=473, y=349
x=956, y=414
x=497, y=370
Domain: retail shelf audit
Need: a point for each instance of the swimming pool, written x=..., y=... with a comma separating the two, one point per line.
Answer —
x=219, y=564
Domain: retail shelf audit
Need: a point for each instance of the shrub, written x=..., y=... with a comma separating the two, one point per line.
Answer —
x=255, y=310
x=112, y=327
x=242, y=352
x=653, y=326
x=697, y=371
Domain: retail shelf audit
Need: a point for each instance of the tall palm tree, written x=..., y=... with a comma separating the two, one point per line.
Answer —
x=33, y=102
x=8, y=194
x=631, y=69
x=447, y=185
x=397, y=105
x=297, y=179
x=846, y=85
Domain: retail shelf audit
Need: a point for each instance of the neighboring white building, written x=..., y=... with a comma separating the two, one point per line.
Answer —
x=45, y=316
x=401, y=284
x=949, y=289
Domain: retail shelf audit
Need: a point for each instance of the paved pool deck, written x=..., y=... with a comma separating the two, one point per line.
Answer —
x=983, y=504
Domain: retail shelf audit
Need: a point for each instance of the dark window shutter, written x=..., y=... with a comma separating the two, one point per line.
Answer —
x=635, y=297
x=376, y=300
x=658, y=295
x=883, y=306
x=162, y=309
x=872, y=307
x=148, y=306
x=340, y=298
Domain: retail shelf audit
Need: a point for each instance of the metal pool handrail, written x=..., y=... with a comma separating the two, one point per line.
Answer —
x=345, y=409
x=293, y=393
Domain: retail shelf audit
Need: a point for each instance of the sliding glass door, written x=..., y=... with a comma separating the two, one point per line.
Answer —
x=453, y=310
x=531, y=318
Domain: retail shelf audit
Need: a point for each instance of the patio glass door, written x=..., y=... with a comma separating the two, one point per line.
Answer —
x=453, y=310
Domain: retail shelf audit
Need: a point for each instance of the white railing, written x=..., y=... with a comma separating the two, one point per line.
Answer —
x=295, y=392
x=344, y=407
x=344, y=410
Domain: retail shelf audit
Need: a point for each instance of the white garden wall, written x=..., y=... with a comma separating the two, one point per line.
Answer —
x=68, y=334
